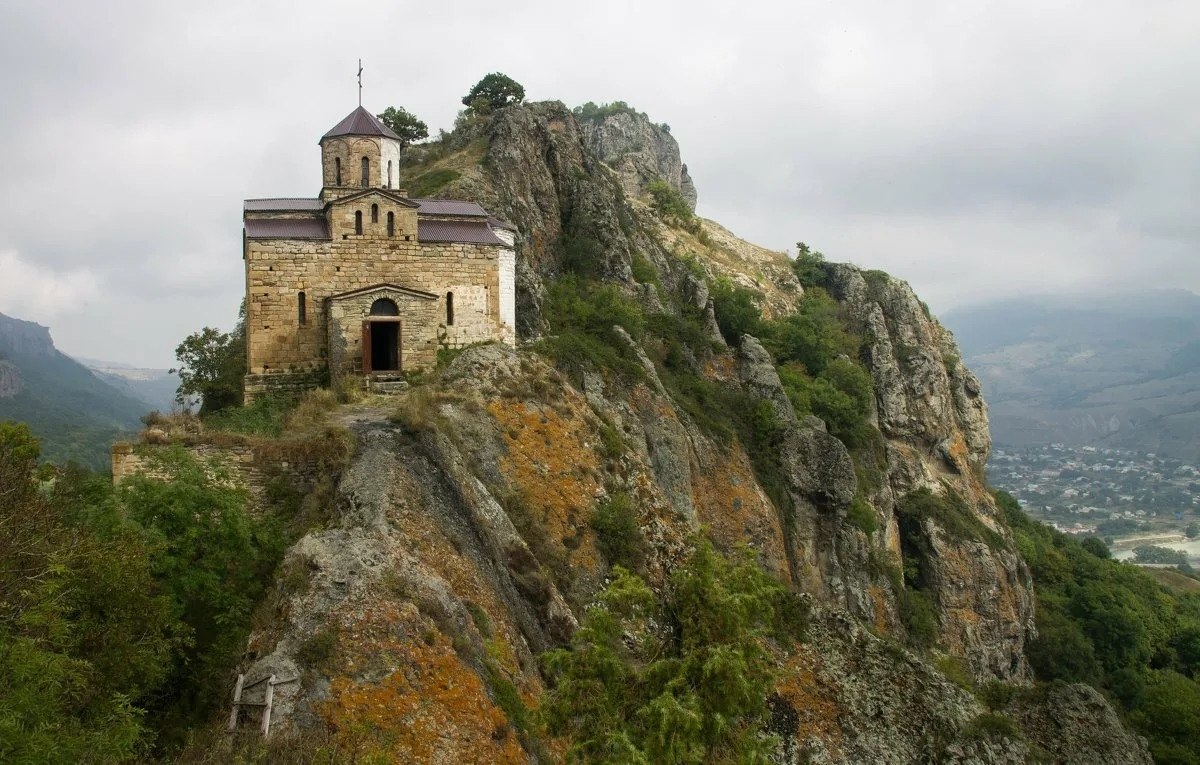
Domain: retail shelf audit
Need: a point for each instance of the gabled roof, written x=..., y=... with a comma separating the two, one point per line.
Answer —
x=286, y=228
x=449, y=207
x=361, y=122
x=460, y=231
x=385, y=285
x=495, y=222
x=390, y=194
x=283, y=203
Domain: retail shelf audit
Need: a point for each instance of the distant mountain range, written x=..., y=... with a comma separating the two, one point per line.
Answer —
x=1117, y=370
x=75, y=411
x=156, y=387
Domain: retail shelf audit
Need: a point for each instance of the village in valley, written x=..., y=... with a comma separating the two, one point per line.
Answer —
x=1128, y=498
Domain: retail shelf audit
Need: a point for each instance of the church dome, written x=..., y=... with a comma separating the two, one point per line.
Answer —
x=361, y=122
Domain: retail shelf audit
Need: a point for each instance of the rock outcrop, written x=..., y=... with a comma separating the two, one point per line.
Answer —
x=640, y=151
x=25, y=338
x=934, y=422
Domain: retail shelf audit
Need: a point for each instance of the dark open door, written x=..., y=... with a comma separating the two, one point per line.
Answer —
x=366, y=347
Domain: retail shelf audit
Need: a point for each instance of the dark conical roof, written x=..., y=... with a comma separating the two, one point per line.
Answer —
x=361, y=122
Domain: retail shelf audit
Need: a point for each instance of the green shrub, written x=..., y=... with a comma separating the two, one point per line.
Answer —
x=990, y=725
x=264, y=416
x=612, y=444
x=951, y=513
x=814, y=335
x=618, y=533
x=681, y=681
x=956, y=671
x=643, y=270
x=737, y=311
x=1061, y=650
x=582, y=315
x=594, y=308
x=862, y=515
x=483, y=622
x=317, y=650
x=669, y=202
x=997, y=695
x=919, y=617
x=810, y=266
x=591, y=112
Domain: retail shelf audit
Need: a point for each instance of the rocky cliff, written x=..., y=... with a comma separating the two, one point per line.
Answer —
x=25, y=338
x=639, y=150
x=462, y=543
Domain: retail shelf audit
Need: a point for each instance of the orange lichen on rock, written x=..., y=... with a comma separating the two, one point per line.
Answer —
x=879, y=608
x=553, y=466
x=430, y=708
x=721, y=367
x=729, y=502
x=962, y=623
x=814, y=701
x=430, y=544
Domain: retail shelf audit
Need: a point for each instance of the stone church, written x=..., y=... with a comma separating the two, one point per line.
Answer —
x=364, y=281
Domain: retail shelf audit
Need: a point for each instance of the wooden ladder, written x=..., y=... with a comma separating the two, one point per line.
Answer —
x=266, y=703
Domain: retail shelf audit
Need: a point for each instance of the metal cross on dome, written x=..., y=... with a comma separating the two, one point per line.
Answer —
x=360, y=82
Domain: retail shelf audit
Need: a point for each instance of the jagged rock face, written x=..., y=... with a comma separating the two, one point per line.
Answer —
x=541, y=173
x=541, y=176
x=934, y=420
x=1075, y=724
x=640, y=151
x=757, y=372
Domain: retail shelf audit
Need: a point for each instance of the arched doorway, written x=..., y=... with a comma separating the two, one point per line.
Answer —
x=381, y=337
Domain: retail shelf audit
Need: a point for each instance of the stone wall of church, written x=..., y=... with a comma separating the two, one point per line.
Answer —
x=278, y=270
x=508, y=289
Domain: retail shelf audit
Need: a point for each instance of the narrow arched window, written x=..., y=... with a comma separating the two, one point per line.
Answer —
x=358, y=221
x=374, y=213
x=449, y=309
x=366, y=171
x=389, y=174
x=302, y=309
x=337, y=171
x=391, y=224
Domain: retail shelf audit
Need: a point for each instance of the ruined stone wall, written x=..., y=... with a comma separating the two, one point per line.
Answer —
x=277, y=270
x=239, y=464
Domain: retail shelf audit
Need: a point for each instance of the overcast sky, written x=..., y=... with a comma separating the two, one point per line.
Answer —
x=974, y=148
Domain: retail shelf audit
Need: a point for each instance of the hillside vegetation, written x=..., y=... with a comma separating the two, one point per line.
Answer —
x=1114, y=626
